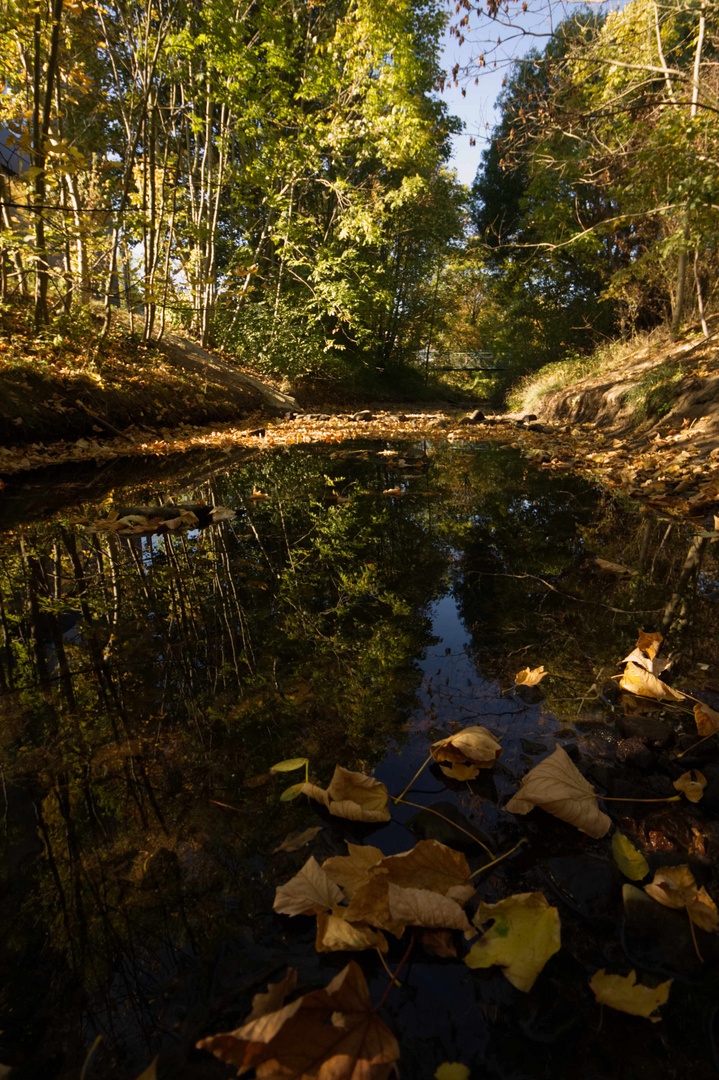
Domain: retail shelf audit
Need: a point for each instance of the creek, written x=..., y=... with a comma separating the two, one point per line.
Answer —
x=148, y=683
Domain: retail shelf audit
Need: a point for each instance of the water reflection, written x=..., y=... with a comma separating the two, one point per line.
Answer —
x=148, y=684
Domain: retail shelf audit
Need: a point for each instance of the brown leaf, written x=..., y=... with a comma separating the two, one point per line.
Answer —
x=296, y=840
x=675, y=887
x=557, y=785
x=274, y=997
x=473, y=745
x=422, y=907
x=350, y=871
x=649, y=642
x=352, y=795
x=297, y=1041
x=613, y=568
x=308, y=893
x=641, y=682
x=335, y=933
x=430, y=865
x=692, y=784
x=370, y=904
x=530, y=676
x=439, y=942
x=707, y=719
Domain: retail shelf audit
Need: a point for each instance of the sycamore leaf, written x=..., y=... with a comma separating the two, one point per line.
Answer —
x=692, y=784
x=422, y=907
x=530, y=676
x=557, y=786
x=630, y=861
x=473, y=746
x=352, y=795
x=350, y=871
x=624, y=993
x=430, y=865
x=335, y=933
x=274, y=997
x=524, y=934
x=370, y=904
x=289, y=765
x=296, y=840
x=309, y=892
x=641, y=682
x=332, y=1033
x=655, y=665
x=649, y=642
x=707, y=720
x=675, y=887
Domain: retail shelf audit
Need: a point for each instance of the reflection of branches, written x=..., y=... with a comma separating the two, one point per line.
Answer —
x=576, y=599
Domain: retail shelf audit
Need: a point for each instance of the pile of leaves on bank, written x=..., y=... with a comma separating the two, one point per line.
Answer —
x=430, y=896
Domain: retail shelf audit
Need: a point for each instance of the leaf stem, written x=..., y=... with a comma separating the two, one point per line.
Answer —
x=393, y=978
x=499, y=858
x=431, y=810
x=694, y=746
x=409, y=785
x=386, y=967
x=629, y=798
x=694, y=938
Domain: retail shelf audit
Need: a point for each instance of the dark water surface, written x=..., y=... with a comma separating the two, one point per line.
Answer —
x=146, y=681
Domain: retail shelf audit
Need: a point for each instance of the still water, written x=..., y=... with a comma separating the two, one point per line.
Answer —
x=148, y=684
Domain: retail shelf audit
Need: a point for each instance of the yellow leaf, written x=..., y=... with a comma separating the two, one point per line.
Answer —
x=624, y=993
x=289, y=765
x=675, y=887
x=525, y=933
x=352, y=795
x=292, y=792
x=692, y=783
x=557, y=786
x=530, y=676
x=309, y=892
x=641, y=682
x=473, y=745
x=452, y=1070
x=707, y=720
x=460, y=772
x=649, y=643
x=350, y=871
x=335, y=934
x=630, y=861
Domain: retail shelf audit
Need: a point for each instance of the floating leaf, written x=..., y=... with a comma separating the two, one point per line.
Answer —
x=352, y=795
x=350, y=871
x=467, y=751
x=335, y=933
x=296, y=840
x=524, y=934
x=422, y=907
x=641, y=682
x=630, y=861
x=530, y=676
x=430, y=865
x=692, y=784
x=675, y=887
x=333, y=1033
x=291, y=793
x=624, y=993
x=557, y=786
x=707, y=720
x=289, y=765
x=452, y=1070
x=309, y=892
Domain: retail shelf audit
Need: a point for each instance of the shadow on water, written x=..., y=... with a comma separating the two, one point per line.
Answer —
x=148, y=683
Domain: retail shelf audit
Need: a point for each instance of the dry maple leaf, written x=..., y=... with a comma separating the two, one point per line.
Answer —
x=707, y=720
x=309, y=892
x=467, y=751
x=557, y=786
x=530, y=676
x=624, y=993
x=430, y=865
x=331, y=1034
x=675, y=887
x=641, y=682
x=351, y=795
x=692, y=784
x=524, y=934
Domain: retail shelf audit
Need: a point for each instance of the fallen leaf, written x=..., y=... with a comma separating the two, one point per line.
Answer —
x=352, y=795
x=641, y=682
x=289, y=765
x=335, y=933
x=557, y=786
x=525, y=933
x=422, y=907
x=613, y=568
x=350, y=871
x=649, y=642
x=675, y=887
x=467, y=751
x=370, y=904
x=624, y=993
x=309, y=892
x=439, y=942
x=707, y=720
x=452, y=1070
x=332, y=1034
x=630, y=861
x=692, y=784
x=274, y=997
x=296, y=840
x=654, y=665
x=530, y=676
x=430, y=865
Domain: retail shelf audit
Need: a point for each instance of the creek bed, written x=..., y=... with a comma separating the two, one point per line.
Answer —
x=148, y=683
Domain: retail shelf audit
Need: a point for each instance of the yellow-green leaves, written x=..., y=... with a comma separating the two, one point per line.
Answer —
x=630, y=861
x=289, y=765
x=524, y=934
x=624, y=993
x=557, y=786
